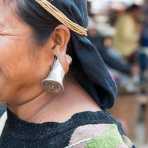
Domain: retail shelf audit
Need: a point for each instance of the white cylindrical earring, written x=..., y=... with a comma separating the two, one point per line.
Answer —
x=54, y=81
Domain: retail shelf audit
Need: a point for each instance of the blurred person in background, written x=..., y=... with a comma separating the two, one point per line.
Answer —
x=126, y=39
x=126, y=42
x=105, y=48
x=121, y=71
x=143, y=56
x=143, y=60
x=115, y=13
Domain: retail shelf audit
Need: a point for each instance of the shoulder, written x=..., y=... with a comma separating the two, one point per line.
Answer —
x=98, y=136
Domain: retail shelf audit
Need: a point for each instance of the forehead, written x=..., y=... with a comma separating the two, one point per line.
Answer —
x=9, y=4
x=7, y=11
x=9, y=20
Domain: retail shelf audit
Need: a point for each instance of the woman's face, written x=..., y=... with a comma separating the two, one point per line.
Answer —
x=23, y=64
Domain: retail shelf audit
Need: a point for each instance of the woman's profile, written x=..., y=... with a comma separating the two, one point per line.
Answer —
x=54, y=82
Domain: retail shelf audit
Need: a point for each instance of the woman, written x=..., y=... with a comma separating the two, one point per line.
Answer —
x=36, y=42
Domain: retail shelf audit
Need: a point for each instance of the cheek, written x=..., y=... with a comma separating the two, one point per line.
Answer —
x=14, y=60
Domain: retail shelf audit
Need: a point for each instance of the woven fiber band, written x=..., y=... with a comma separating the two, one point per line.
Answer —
x=60, y=16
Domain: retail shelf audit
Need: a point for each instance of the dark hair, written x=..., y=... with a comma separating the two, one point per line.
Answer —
x=133, y=7
x=40, y=20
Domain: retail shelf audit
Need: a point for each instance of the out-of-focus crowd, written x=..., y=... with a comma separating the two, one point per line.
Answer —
x=121, y=37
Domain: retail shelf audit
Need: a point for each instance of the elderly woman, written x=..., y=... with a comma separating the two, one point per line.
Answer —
x=38, y=39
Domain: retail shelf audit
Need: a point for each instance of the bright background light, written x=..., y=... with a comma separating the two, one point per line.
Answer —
x=101, y=4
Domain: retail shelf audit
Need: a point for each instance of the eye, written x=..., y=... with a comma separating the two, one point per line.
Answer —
x=6, y=34
x=2, y=33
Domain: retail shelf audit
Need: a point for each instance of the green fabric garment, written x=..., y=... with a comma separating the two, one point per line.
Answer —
x=109, y=139
x=99, y=136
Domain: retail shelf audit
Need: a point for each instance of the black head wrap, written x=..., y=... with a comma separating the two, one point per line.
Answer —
x=91, y=71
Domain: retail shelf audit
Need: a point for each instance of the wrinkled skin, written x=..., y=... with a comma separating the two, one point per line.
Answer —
x=23, y=63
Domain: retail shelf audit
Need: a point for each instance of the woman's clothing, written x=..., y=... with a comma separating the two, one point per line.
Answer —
x=82, y=130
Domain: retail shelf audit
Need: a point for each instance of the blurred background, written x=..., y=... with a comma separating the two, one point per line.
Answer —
x=119, y=30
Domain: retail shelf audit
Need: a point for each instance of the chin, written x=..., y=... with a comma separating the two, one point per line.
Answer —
x=4, y=97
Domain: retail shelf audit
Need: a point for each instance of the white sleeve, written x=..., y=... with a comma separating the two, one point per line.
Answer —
x=3, y=119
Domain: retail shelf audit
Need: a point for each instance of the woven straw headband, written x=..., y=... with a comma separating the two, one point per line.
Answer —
x=60, y=16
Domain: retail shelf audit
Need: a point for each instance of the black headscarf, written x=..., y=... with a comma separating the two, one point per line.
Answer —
x=91, y=72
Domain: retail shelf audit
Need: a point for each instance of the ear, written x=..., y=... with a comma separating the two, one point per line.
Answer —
x=60, y=38
x=58, y=43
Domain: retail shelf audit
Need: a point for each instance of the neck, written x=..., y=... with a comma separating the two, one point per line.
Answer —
x=29, y=109
x=57, y=108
